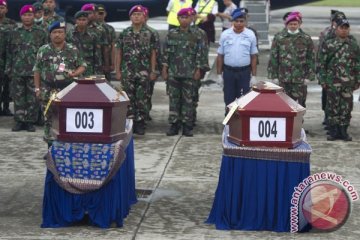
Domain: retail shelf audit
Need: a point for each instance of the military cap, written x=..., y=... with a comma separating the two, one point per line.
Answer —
x=80, y=13
x=342, y=22
x=237, y=13
x=3, y=3
x=89, y=7
x=185, y=12
x=338, y=15
x=37, y=6
x=136, y=8
x=294, y=16
x=100, y=8
x=26, y=9
x=56, y=25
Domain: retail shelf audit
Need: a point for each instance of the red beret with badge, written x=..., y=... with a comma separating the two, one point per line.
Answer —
x=26, y=9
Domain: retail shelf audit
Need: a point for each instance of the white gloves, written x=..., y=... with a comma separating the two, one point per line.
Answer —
x=219, y=80
x=253, y=81
x=275, y=81
x=306, y=81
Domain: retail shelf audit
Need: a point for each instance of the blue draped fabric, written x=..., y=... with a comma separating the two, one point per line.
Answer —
x=254, y=194
x=109, y=204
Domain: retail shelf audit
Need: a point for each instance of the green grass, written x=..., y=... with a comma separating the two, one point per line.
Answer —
x=336, y=3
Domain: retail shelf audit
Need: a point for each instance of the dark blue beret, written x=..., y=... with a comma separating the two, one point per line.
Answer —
x=56, y=25
x=238, y=13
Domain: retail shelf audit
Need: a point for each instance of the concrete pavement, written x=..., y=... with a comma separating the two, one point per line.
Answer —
x=182, y=173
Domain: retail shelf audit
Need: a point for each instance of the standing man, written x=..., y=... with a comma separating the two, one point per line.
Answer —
x=24, y=41
x=39, y=13
x=6, y=25
x=292, y=59
x=226, y=15
x=206, y=15
x=236, y=58
x=173, y=7
x=86, y=41
x=50, y=15
x=56, y=65
x=111, y=38
x=136, y=65
x=339, y=66
x=181, y=68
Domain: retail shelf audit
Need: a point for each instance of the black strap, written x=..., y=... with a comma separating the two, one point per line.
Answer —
x=204, y=7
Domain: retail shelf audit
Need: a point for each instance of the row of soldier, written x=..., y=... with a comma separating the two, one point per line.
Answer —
x=336, y=65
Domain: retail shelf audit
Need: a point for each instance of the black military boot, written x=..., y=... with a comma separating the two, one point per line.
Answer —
x=187, y=131
x=30, y=127
x=18, y=127
x=343, y=133
x=173, y=130
x=6, y=111
x=333, y=133
x=139, y=127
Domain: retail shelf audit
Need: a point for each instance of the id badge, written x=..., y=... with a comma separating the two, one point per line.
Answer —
x=61, y=67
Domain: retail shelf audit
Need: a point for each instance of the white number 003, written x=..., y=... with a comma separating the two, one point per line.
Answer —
x=84, y=120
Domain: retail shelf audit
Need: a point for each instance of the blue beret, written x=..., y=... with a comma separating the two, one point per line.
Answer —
x=56, y=25
x=237, y=13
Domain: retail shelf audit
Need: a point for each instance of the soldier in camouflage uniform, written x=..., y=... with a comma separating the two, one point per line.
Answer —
x=103, y=64
x=327, y=33
x=339, y=68
x=158, y=64
x=56, y=65
x=24, y=41
x=50, y=15
x=39, y=13
x=87, y=43
x=136, y=65
x=292, y=59
x=204, y=62
x=181, y=68
x=111, y=38
x=6, y=25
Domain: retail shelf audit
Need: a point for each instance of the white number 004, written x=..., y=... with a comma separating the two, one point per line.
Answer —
x=267, y=129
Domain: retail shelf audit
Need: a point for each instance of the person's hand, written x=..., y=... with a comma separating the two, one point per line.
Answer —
x=37, y=93
x=324, y=86
x=307, y=81
x=71, y=74
x=275, y=81
x=253, y=81
x=153, y=76
x=197, y=75
x=219, y=79
x=164, y=73
x=118, y=75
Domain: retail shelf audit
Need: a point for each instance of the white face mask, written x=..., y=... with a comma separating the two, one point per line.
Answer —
x=293, y=32
x=37, y=20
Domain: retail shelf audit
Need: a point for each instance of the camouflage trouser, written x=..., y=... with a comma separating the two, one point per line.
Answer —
x=181, y=108
x=197, y=85
x=339, y=105
x=136, y=87
x=26, y=108
x=296, y=91
x=149, y=95
x=45, y=96
x=4, y=91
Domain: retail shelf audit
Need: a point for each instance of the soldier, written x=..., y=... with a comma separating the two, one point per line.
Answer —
x=103, y=56
x=39, y=13
x=292, y=59
x=56, y=65
x=6, y=25
x=110, y=33
x=136, y=65
x=173, y=8
x=239, y=70
x=158, y=65
x=50, y=15
x=339, y=66
x=24, y=41
x=86, y=41
x=181, y=68
x=327, y=33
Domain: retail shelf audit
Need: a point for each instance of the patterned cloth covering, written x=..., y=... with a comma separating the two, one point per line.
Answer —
x=85, y=167
x=299, y=154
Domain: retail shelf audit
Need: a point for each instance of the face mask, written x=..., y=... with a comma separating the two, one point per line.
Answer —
x=39, y=20
x=293, y=32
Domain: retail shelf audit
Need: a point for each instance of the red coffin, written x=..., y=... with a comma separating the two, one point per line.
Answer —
x=89, y=110
x=267, y=117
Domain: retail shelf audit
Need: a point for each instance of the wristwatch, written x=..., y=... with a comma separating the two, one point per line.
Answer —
x=36, y=89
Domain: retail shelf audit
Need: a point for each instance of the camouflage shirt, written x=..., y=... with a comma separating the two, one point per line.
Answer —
x=157, y=45
x=23, y=46
x=3, y=43
x=54, y=65
x=87, y=43
x=204, y=47
x=183, y=52
x=339, y=62
x=51, y=19
x=8, y=22
x=99, y=30
x=292, y=58
x=136, y=49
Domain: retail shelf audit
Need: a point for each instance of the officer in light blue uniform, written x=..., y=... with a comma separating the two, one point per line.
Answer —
x=236, y=59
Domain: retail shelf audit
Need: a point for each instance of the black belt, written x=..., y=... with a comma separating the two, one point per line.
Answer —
x=236, y=69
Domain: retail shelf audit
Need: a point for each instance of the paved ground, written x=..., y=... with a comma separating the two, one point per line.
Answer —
x=182, y=172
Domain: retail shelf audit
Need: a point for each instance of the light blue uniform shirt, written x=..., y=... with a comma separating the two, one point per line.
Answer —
x=237, y=47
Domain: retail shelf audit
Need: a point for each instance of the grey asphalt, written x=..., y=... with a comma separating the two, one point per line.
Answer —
x=181, y=171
